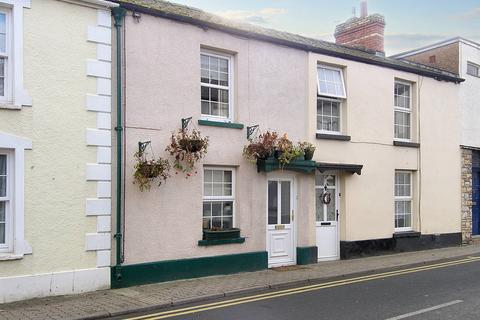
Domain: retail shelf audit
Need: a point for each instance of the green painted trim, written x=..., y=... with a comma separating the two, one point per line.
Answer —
x=118, y=15
x=221, y=124
x=160, y=271
x=307, y=255
x=205, y=243
x=271, y=164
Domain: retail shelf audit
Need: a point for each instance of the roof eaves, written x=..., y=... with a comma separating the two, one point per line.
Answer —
x=334, y=50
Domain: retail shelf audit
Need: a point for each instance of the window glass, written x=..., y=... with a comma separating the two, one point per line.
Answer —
x=285, y=202
x=2, y=223
x=330, y=82
x=328, y=115
x=218, y=199
x=403, y=200
x=272, y=202
x=215, y=86
x=402, y=114
x=3, y=175
x=3, y=32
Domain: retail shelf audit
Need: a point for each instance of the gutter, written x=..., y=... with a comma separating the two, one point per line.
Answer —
x=118, y=15
x=93, y=3
x=287, y=43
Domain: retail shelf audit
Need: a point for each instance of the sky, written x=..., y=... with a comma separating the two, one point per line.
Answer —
x=409, y=23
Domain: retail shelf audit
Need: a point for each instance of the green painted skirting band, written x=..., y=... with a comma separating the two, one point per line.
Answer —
x=221, y=124
x=307, y=255
x=217, y=242
x=161, y=271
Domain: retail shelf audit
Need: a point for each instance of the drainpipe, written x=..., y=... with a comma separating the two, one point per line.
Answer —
x=118, y=15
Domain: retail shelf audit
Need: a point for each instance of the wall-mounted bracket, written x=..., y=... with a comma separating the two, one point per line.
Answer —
x=251, y=130
x=185, y=122
x=142, y=146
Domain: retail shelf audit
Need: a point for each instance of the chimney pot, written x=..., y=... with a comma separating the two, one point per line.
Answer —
x=363, y=9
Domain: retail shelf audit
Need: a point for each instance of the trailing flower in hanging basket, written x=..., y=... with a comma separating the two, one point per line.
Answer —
x=147, y=171
x=187, y=147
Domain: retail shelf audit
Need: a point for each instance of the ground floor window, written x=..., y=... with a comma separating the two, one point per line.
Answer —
x=403, y=201
x=6, y=176
x=218, y=198
x=325, y=197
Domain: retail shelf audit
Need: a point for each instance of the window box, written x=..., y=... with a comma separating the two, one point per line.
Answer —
x=206, y=243
x=209, y=234
x=271, y=164
x=221, y=124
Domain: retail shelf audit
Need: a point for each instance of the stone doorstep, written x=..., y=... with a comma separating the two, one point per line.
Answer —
x=268, y=281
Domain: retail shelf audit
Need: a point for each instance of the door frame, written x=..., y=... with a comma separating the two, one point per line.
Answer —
x=475, y=171
x=337, y=213
x=284, y=176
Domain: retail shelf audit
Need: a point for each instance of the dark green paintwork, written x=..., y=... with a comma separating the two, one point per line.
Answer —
x=118, y=15
x=205, y=243
x=169, y=270
x=221, y=124
x=271, y=164
x=307, y=255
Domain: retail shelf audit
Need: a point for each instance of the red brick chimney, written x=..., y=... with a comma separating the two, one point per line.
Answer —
x=365, y=32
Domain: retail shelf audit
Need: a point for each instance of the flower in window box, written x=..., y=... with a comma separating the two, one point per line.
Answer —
x=308, y=149
x=262, y=147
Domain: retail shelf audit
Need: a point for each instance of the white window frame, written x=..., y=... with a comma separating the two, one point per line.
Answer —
x=15, y=147
x=404, y=198
x=339, y=115
x=230, y=87
x=475, y=66
x=8, y=57
x=322, y=66
x=403, y=110
x=220, y=198
x=16, y=94
x=8, y=245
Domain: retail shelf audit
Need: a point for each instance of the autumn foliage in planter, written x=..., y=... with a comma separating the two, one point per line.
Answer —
x=187, y=147
x=147, y=171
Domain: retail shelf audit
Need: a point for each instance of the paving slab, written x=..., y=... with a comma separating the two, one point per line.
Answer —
x=114, y=302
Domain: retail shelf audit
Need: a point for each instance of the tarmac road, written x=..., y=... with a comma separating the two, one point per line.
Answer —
x=448, y=290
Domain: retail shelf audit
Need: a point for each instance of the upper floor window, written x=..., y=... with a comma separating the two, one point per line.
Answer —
x=331, y=91
x=403, y=110
x=330, y=82
x=473, y=69
x=216, y=86
x=5, y=56
x=218, y=198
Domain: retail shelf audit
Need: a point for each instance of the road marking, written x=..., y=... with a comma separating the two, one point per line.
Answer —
x=281, y=293
x=414, y=313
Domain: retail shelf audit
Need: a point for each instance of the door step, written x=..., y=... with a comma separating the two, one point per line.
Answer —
x=289, y=268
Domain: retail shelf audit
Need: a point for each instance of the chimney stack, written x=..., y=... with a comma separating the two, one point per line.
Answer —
x=365, y=33
x=363, y=9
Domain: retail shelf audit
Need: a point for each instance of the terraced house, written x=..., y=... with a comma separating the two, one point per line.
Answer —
x=461, y=56
x=385, y=175
x=55, y=87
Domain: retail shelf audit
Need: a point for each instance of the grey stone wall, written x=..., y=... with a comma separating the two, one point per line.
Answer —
x=467, y=196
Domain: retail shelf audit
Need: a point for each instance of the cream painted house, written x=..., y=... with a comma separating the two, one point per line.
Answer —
x=55, y=140
x=385, y=175
x=462, y=56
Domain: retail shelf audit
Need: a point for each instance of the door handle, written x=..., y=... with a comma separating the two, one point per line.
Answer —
x=337, y=214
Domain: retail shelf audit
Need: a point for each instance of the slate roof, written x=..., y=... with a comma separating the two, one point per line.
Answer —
x=207, y=20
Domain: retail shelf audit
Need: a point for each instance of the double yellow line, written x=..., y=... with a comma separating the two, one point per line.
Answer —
x=282, y=293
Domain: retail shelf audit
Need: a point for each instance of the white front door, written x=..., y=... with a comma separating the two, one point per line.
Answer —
x=280, y=226
x=327, y=226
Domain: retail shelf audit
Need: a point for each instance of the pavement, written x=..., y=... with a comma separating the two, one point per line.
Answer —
x=117, y=302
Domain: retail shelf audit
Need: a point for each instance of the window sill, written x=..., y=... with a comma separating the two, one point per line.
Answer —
x=220, y=124
x=10, y=106
x=10, y=256
x=206, y=243
x=406, y=144
x=406, y=234
x=328, y=136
